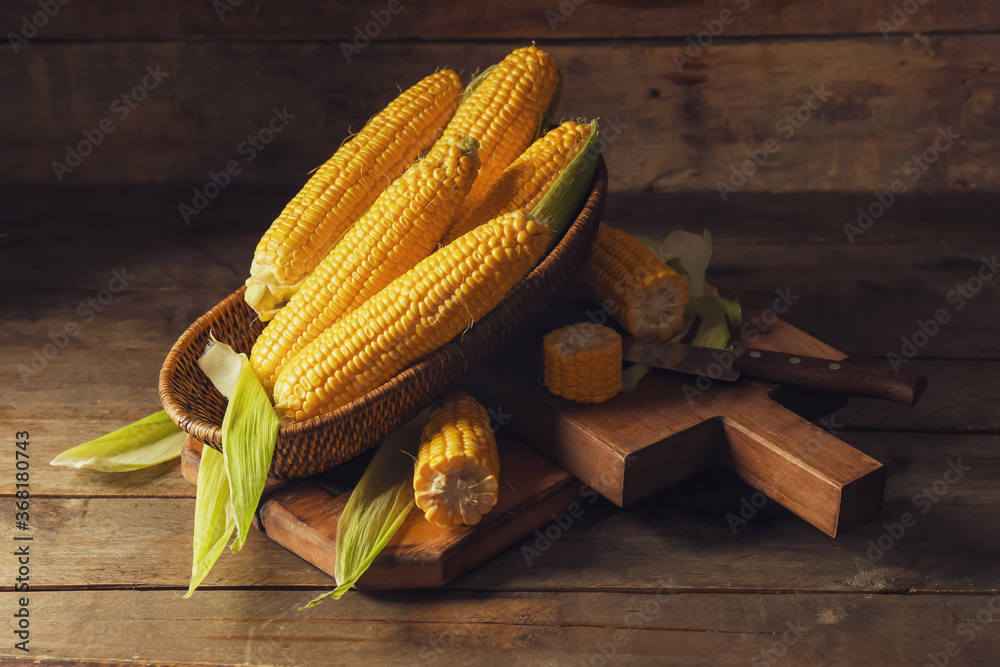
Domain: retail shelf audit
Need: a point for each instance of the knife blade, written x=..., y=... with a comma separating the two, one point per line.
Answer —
x=842, y=377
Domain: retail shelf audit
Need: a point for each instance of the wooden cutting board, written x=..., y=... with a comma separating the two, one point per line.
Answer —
x=671, y=425
x=626, y=448
x=302, y=516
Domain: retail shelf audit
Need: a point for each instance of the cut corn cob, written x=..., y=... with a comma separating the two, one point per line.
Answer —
x=636, y=287
x=583, y=362
x=504, y=113
x=522, y=184
x=345, y=186
x=401, y=228
x=411, y=317
x=457, y=473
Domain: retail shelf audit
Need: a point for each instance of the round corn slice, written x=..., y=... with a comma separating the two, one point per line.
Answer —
x=583, y=362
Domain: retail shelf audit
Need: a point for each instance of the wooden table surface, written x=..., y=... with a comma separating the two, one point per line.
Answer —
x=671, y=580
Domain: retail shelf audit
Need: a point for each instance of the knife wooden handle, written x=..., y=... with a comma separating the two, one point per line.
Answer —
x=844, y=377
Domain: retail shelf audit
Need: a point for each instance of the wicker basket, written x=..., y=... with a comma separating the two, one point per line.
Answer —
x=318, y=444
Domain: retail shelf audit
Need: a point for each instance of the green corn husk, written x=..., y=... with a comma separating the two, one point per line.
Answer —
x=718, y=317
x=693, y=251
x=147, y=442
x=558, y=206
x=378, y=506
x=249, y=431
x=213, y=516
x=230, y=491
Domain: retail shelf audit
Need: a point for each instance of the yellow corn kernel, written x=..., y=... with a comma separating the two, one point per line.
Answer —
x=522, y=184
x=648, y=296
x=504, y=112
x=583, y=362
x=457, y=473
x=411, y=317
x=346, y=185
x=401, y=228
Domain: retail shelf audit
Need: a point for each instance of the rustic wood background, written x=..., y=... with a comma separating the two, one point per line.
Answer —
x=111, y=554
x=231, y=62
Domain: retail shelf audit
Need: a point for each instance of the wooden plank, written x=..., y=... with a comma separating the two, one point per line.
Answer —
x=520, y=20
x=916, y=461
x=104, y=542
x=901, y=258
x=672, y=130
x=951, y=402
x=50, y=437
x=248, y=627
x=34, y=211
x=916, y=275
x=692, y=531
x=139, y=259
x=958, y=397
x=812, y=217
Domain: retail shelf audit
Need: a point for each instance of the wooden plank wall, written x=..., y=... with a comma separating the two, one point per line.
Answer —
x=680, y=116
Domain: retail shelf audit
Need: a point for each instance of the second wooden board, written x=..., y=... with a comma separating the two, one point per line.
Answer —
x=646, y=439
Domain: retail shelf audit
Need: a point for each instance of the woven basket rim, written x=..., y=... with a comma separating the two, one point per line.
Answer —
x=211, y=432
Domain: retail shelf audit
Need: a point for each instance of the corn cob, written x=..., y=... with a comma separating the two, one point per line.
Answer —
x=522, y=184
x=411, y=317
x=457, y=473
x=401, y=228
x=583, y=362
x=345, y=186
x=504, y=113
x=636, y=287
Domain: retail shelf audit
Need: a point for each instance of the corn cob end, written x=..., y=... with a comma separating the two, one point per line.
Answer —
x=265, y=295
x=455, y=479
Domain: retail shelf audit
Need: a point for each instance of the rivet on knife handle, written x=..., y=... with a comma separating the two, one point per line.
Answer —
x=846, y=377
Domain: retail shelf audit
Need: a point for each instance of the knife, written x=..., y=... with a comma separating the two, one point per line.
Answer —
x=842, y=377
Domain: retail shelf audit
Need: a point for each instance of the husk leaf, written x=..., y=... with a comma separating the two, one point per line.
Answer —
x=378, y=506
x=147, y=442
x=559, y=205
x=213, y=516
